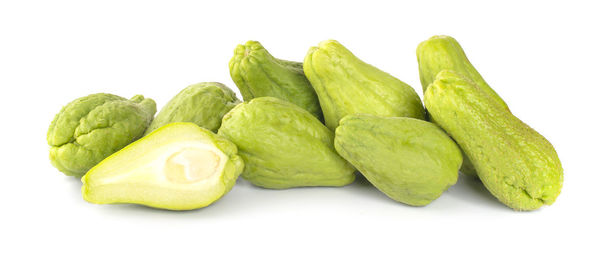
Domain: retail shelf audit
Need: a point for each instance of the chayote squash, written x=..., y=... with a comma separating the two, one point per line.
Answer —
x=284, y=145
x=203, y=104
x=346, y=85
x=91, y=128
x=445, y=53
x=179, y=166
x=514, y=162
x=257, y=73
x=412, y=161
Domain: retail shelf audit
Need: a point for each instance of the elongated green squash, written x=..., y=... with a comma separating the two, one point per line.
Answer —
x=346, y=85
x=514, y=162
x=445, y=53
x=257, y=73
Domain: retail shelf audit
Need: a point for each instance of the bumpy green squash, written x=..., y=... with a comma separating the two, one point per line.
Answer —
x=257, y=73
x=204, y=104
x=346, y=85
x=92, y=127
x=284, y=145
x=411, y=161
x=514, y=162
x=445, y=53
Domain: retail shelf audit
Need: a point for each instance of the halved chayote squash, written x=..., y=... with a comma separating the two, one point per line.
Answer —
x=180, y=166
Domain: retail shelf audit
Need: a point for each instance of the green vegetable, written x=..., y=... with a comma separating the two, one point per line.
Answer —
x=203, y=104
x=284, y=145
x=93, y=127
x=346, y=85
x=257, y=73
x=514, y=162
x=445, y=53
x=179, y=166
x=410, y=160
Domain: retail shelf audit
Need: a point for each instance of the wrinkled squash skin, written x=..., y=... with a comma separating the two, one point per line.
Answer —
x=284, y=145
x=92, y=127
x=257, y=73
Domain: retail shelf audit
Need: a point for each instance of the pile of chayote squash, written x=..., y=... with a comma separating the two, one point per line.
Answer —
x=311, y=123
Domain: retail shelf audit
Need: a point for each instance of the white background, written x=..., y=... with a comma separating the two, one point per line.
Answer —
x=541, y=57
